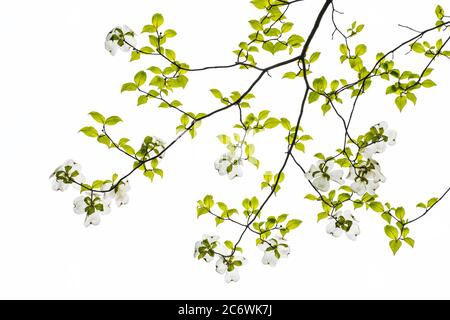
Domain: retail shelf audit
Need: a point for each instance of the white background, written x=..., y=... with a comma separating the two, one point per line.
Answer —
x=54, y=70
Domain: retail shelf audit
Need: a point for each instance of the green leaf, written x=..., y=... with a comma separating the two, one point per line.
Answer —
x=249, y=150
x=216, y=93
x=314, y=57
x=320, y=84
x=142, y=99
x=208, y=201
x=376, y=206
x=157, y=20
x=200, y=210
x=311, y=197
x=417, y=47
x=439, y=12
x=281, y=218
x=254, y=161
x=361, y=49
x=321, y=216
x=97, y=117
x=391, y=232
x=428, y=83
x=400, y=102
x=113, y=120
x=387, y=217
x=271, y=123
x=229, y=244
x=256, y=25
x=169, y=33
x=286, y=123
x=286, y=27
x=135, y=55
x=140, y=78
x=268, y=46
x=395, y=245
x=313, y=97
x=289, y=75
x=148, y=29
x=171, y=55
x=292, y=224
x=104, y=140
x=409, y=241
x=90, y=132
x=400, y=213
x=412, y=97
x=271, y=221
x=432, y=202
x=224, y=139
x=128, y=87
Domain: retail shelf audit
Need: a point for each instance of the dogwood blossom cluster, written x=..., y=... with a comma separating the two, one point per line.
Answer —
x=386, y=137
x=122, y=38
x=343, y=222
x=65, y=175
x=92, y=204
x=274, y=249
x=229, y=164
x=209, y=248
x=321, y=174
x=367, y=175
x=364, y=175
x=152, y=147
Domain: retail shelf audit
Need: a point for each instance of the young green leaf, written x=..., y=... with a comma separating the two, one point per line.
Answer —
x=90, y=132
x=157, y=20
x=113, y=120
x=97, y=117
x=292, y=224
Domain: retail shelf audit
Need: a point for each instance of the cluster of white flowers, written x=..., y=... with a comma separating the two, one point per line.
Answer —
x=229, y=164
x=120, y=37
x=119, y=193
x=158, y=143
x=365, y=177
x=228, y=267
x=209, y=247
x=343, y=222
x=93, y=204
x=389, y=137
x=274, y=249
x=321, y=174
x=67, y=174
x=96, y=204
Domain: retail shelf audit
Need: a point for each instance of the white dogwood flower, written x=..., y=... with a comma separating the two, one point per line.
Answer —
x=321, y=174
x=388, y=137
x=65, y=175
x=274, y=249
x=367, y=177
x=205, y=248
x=228, y=266
x=120, y=37
x=91, y=205
x=160, y=143
x=93, y=219
x=229, y=164
x=80, y=205
x=343, y=222
x=119, y=193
